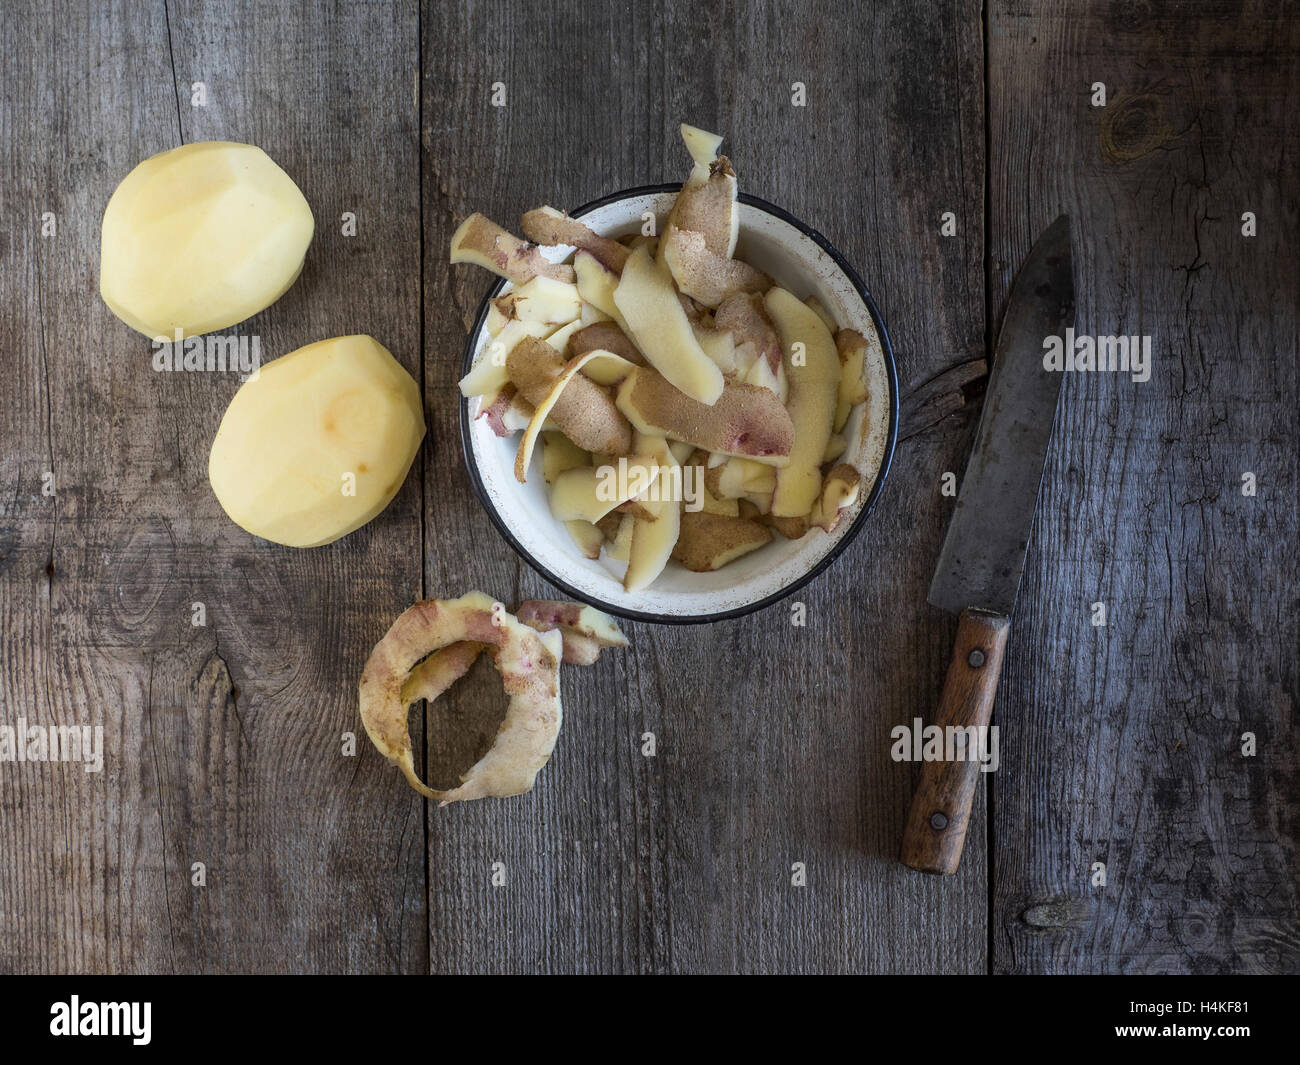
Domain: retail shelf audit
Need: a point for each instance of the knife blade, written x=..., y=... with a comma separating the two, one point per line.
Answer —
x=983, y=553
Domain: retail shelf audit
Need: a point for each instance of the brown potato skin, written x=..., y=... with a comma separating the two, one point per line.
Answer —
x=585, y=412
x=637, y=510
x=518, y=260
x=713, y=480
x=542, y=227
x=743, y=411
x=708, y=541
x=706, y=208
x=743, y=315
x=790, y=528
x=605, y=336
x=703, y=274
x=609, y=525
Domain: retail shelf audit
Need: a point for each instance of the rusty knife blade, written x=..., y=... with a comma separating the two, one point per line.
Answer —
x=984, y=552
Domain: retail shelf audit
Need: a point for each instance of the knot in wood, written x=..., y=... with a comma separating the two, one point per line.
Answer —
x=1132, y=127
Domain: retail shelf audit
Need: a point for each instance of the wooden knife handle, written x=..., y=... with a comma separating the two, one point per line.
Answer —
x=936, y=825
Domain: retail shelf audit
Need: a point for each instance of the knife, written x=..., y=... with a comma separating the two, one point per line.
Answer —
x=984, y=552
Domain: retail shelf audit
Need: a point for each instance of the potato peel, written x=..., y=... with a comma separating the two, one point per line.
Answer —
x=606, y=336
x=524, y=456
x=703, y=274
x=840, y=491
x=585, y=631
x=585, y=493
x=434, y=643
x=495, y=412
x=584, y=412
x=430, y=678
x=481, y=241
x=709, y=208
x=546, y=225
x=743, y=316
x=709, y=542
x=529, y=664
x=813, y=366
x=745, y=420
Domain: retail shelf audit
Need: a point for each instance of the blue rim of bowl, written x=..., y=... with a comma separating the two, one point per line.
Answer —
x=850, y=534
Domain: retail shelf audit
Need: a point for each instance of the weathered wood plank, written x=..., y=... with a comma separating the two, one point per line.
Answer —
x=223, y=742
x=82, y=856
x=773, y=740
x=1120, y=744
x=1123, y=744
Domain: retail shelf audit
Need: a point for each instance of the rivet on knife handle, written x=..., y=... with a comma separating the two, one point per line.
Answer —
x=936, y=825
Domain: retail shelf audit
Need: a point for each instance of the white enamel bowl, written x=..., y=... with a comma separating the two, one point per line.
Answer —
x=803, y=261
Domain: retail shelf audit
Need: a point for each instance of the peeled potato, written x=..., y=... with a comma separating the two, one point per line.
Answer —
x=201, y=237
x=317, y=443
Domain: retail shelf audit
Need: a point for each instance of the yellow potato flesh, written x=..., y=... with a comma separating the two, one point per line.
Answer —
x=653, y=541
x=814, y=382
x=317, y=443
x=589, y=493
x=596, y=284
x=201, y=237
x=560, y=454
x=656, y=322
x=702, y=144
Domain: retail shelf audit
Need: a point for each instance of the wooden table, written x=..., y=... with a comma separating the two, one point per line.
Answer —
x=224, y=742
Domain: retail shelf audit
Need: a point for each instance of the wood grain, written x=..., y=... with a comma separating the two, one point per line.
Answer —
x=1119, y=744
x=223, y=742
x=773, y=740
x=1122, y=744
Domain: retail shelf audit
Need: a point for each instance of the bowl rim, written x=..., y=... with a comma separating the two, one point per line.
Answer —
x=824, y=563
